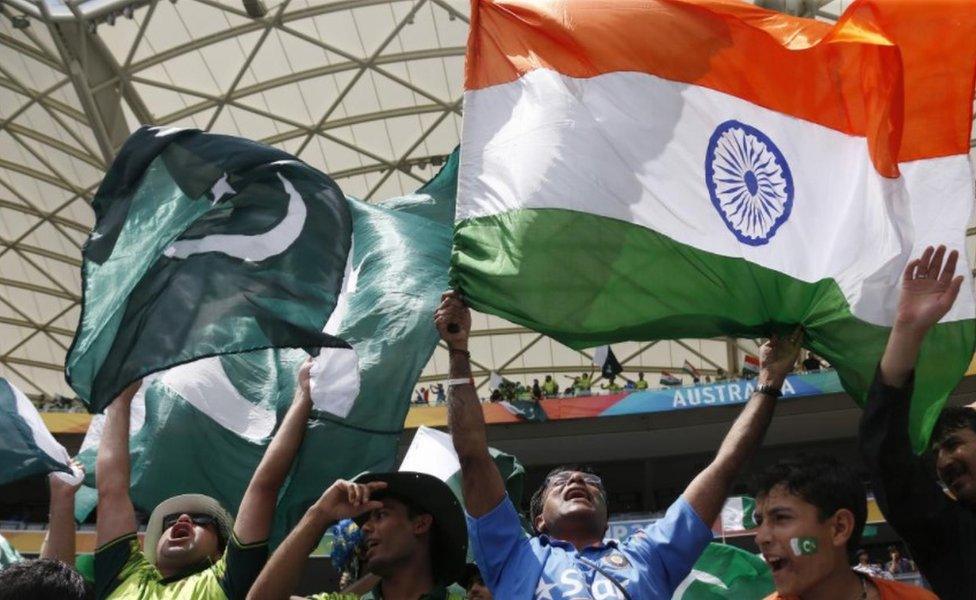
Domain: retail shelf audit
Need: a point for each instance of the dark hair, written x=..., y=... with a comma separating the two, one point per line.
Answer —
x=953, y=418
x=539, y=496
x=824, y=482
x=43, y=579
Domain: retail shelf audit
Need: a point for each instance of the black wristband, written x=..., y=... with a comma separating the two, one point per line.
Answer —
x=465, y=353
x=769, y=390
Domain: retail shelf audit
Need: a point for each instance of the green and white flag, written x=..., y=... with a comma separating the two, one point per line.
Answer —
x=204, y=245
x=27, y=448
x=432, y=452
x=528, y=410
x=738, y=514
x=726, y=573
x=8, y=554
x=207, y=423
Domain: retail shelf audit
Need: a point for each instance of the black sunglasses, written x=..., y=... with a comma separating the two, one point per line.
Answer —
x=201, y=519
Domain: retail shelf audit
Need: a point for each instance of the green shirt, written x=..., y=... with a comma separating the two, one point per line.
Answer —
x=438, y=593
x=641, y=384
x=122, y=572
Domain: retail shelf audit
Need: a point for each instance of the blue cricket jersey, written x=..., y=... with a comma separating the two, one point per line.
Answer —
x=649, y=564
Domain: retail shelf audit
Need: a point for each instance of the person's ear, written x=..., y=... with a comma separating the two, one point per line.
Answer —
x=540, y=524
x=842, y=527
x=422, y=524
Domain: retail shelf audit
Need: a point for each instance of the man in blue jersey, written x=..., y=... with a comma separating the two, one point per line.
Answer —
x=568, y=558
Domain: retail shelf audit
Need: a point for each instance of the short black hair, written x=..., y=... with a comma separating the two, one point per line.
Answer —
x=953, y=418
x=538, y=497
x=43, y=579
x=824, y=482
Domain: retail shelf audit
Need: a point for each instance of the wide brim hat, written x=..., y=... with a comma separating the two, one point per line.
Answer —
x=431, y=495
x=189, y=504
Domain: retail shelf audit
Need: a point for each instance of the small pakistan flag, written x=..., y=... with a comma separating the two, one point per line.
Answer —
x=803, y=545
x=204, y=245
x=726, y=573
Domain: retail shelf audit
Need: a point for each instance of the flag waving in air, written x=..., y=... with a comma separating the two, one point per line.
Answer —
x=711, y=168
x=228, y=406
x=204, y=245
x=26, y=446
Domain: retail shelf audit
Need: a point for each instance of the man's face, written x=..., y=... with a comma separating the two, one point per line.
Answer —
x=391, y=537
x=955, y=461
x=573, y=495
x=185, y=543
x=784, y=517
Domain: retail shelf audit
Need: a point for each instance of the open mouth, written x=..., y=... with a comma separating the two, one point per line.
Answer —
x=578, y=493
x=180, y=531
x=776, y=563
x=369, y=545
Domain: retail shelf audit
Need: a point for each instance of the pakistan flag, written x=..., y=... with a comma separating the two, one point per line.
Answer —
x=204, y=245
x=726, y=573
x=203, y=426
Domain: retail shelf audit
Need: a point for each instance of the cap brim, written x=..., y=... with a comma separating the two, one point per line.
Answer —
x=433, y=496
x=184, y=503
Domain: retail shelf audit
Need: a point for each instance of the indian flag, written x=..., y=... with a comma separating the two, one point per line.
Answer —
x=708, y=168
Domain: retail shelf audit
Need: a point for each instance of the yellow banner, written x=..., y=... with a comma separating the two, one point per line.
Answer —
x=66, y=422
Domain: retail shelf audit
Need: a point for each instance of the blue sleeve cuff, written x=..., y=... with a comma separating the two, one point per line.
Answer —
x=496, y=538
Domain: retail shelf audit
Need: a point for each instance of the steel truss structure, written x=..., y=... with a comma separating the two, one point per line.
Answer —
x=368, y=91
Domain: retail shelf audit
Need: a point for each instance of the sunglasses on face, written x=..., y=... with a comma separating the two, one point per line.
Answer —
x=559, y=481
x=200, y=519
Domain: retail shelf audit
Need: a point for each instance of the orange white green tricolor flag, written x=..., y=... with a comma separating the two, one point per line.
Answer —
x=657, y=169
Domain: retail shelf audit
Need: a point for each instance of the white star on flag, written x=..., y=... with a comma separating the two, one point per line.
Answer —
x=221, y=189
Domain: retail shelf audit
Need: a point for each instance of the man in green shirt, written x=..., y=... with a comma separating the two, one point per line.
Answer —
x=415, y=538
x=194, y=550
x=641, y=382
x=550, y=389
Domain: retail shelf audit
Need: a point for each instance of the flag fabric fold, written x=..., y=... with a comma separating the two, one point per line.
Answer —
x=27, y=448
x=204, y=245
x=726, y=573
x=230, y=405
x=667, y=150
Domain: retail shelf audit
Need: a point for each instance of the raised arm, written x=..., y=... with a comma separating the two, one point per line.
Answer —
x=116, y=516
x=707, y=492
x=253, y=523
x=59, y=542
x=481, y=483
x=905, y=485
x=343, y=500
x=928, y=291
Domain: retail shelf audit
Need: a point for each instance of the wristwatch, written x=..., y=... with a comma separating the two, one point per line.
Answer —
x=769, y=390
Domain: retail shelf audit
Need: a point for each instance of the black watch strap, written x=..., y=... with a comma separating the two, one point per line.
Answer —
x=770, y=390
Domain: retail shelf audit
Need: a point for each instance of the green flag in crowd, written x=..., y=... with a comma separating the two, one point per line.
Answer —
x=27, y=448
x=726, y=573
x=527, y=410
x=204, y=245
x=207, y=423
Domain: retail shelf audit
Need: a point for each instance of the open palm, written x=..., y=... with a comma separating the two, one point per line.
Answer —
x=929, y=288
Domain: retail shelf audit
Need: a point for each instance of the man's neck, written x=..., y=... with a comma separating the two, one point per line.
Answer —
x=579, y=537
x=410, y=581
x=841, y=584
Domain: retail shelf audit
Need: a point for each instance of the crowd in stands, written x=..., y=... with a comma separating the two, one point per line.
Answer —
x=58, y=403
x=587, y=384
x=810, y=511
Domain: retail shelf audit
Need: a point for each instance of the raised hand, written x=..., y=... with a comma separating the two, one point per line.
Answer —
x=347, y=500
x=453, y=311
x=928, y=289
x=778, y=357
x=60, y=486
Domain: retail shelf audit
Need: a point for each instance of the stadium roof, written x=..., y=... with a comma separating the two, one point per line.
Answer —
x=368, y=91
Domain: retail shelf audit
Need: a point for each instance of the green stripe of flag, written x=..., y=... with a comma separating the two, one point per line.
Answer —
x=626, y=282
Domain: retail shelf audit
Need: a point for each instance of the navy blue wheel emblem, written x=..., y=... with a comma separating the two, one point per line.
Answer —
x=749, y=182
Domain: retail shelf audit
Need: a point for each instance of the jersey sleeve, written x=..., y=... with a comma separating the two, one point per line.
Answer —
x=498, y=542
x=672, y=545
x=244, y=564
x=115, y=562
